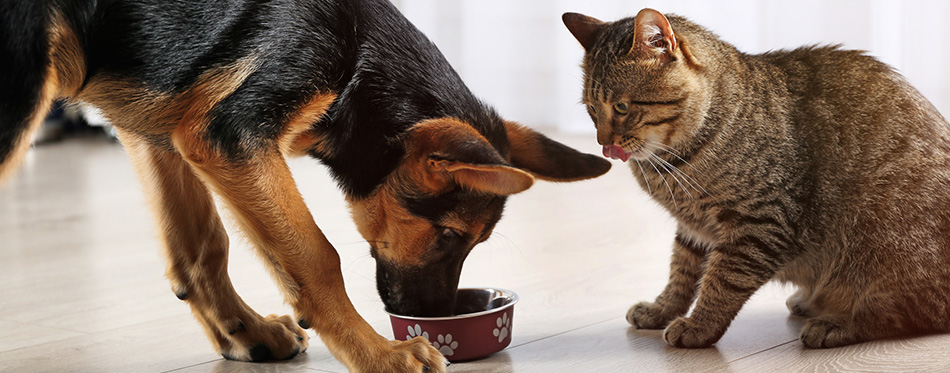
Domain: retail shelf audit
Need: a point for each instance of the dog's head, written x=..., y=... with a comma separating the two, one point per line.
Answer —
x=446, y=196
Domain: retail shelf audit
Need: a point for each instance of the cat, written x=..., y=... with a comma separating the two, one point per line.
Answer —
x=819, y=166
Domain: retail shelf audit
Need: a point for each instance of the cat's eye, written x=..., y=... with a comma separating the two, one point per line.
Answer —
x=592, y=108
x=621, y=108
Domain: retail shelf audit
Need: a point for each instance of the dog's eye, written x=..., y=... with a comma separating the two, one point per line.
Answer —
x=450, y=236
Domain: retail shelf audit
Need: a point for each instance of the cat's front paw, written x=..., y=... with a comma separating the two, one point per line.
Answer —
x=685, y=332
x=647, y=315
x=827, y=332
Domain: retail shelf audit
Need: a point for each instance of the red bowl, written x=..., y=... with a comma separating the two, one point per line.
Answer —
x=481, y=325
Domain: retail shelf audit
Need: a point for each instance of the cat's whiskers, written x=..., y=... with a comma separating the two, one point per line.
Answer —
x=689, y=179
x=664, y=180
x=672, y=151
x=670, y=169
x=663, y=146
x=649, y=188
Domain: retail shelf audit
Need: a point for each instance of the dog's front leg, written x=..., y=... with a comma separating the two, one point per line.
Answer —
x=260, y=190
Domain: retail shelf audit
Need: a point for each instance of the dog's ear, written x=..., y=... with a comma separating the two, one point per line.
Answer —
x=443, y=151
x=550, y=160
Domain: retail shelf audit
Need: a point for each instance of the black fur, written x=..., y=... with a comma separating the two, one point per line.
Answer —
x=424, y=291
x=23, y=64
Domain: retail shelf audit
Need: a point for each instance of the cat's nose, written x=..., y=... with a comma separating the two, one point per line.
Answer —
x=605, y=138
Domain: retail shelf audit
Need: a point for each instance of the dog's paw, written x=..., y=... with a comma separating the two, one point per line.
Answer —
x=827, y=332
x=646, y=315
x=684, y=332
x=414, y=355
x=263, y=339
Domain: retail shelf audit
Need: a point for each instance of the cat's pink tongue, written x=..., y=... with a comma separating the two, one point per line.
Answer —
x=616, y=152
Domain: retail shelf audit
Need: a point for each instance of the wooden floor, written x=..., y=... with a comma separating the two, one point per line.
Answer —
x=82, y=286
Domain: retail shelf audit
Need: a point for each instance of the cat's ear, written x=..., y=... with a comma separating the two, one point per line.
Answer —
x=585, y=29
x=653, y=36
x=550, y=160
x=443, y=151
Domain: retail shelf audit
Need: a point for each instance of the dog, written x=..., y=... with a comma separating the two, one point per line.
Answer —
x=210, y=97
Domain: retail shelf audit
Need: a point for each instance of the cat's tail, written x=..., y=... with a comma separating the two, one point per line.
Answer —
x=30, y=41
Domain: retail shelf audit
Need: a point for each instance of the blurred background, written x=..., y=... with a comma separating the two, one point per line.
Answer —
x=518, y=56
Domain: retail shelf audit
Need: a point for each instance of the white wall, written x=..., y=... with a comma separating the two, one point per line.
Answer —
x=517, y=56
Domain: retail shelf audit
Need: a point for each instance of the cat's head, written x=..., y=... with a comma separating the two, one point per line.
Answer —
x=644, y=87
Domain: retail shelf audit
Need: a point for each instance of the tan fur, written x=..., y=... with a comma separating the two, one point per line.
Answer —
x=298, y=137
x=526, y=150
x=817, y=166
x=153, y=115
x=435, y=137
x=197, y=250
x=400, y=237
x=196, y=242
x=424, y=141
x=66, y=58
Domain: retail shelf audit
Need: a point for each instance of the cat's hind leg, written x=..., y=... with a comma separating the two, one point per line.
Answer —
x=877, y=315
x=674, y=301
x=798, y=304
x=870, y=319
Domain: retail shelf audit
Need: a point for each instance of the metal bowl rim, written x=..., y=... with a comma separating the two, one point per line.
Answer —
x=514, y=299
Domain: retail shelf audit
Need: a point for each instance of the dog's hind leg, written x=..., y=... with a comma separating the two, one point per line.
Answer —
x=197, y=248
x=40, y=59
x=260, y=190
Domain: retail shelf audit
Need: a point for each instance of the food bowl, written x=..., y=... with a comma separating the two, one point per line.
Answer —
x=481, y=325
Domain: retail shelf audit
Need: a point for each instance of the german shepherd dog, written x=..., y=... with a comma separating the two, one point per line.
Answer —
x=211, y=96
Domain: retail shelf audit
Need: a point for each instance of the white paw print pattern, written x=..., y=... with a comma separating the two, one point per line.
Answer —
x=446, y=345
x=501, y=331
x=415, y=332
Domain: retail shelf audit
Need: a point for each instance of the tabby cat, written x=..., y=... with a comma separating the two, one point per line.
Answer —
x=819, y=166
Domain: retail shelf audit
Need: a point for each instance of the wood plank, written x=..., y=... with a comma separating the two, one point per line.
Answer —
x=916, y=354
x=17, y=335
